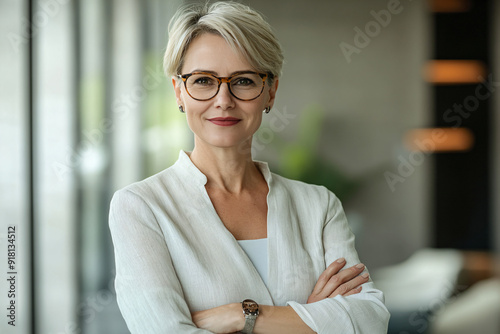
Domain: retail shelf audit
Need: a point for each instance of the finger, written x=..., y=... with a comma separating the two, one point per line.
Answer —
x=336, y=279
x=342, y=277
x=354, y=291
x=325, y=276
x=352, y=284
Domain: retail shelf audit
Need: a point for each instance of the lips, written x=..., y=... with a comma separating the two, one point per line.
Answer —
x=224, y=121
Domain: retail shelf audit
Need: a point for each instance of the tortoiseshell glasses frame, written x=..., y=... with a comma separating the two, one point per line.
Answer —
x=229, y=80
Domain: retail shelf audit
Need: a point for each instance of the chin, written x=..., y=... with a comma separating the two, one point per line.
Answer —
x=227, y=142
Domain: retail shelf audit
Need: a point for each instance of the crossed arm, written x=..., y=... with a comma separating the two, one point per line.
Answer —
x=283, y=319
x=148, y=289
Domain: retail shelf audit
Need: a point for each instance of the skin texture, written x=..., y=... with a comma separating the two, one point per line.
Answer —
x=235, y=185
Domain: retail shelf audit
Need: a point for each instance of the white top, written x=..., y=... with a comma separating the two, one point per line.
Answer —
x=174, y=255
x=256, y=250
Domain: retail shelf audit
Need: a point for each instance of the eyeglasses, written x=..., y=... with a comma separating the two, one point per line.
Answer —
x=244, y=86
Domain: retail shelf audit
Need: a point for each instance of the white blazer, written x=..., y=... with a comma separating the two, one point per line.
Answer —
x=174, y=255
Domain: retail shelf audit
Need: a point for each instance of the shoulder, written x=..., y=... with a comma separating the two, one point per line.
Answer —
x=148, y=190
x=301, y=187
x=144, y=203
x=305, y=192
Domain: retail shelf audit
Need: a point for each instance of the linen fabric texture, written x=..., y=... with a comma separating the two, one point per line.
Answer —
x=174, y=255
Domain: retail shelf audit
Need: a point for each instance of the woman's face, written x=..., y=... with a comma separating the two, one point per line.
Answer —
x=223, y=121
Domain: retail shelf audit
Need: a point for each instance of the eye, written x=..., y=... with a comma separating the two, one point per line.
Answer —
x=204, y=81
x=243, y=81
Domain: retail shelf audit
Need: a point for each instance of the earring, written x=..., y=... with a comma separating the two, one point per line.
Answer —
x=267, y=110
x=181, y=109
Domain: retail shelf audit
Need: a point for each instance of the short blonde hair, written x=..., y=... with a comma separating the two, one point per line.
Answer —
x=242, y=27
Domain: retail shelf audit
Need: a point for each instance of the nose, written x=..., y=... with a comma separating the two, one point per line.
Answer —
x=224, y=99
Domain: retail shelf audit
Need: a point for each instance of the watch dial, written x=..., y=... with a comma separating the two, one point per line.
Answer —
x=251, y=307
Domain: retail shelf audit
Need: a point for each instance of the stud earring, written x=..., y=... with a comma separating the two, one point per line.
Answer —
x=181, y=109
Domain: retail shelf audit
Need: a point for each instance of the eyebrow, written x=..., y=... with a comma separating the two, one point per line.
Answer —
x=216, y=74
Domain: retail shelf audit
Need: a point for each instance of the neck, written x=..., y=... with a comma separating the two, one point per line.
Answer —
x=228, y=169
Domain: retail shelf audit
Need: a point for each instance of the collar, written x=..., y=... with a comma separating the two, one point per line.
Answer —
x=185, y=167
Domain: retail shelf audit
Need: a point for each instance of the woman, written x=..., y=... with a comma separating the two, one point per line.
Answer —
x=217, y=243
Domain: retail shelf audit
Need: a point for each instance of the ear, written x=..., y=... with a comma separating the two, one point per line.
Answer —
x=272, y=92
x=177, y=83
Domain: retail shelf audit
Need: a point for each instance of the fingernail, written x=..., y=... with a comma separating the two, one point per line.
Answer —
x=341, y=260
x=365, y=275
x=359, y=266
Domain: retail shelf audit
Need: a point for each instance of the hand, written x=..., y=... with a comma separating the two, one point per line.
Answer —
x=222, y=319
x=332, y=282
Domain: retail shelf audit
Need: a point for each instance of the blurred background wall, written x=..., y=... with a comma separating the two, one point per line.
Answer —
x=368, y=99
x=86, y=110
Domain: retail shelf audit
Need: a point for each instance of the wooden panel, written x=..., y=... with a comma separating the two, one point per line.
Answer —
x=449, y=6
x=440, y=140
x=454, y=71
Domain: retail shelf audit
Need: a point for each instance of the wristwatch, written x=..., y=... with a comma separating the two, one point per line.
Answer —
x=251, y=312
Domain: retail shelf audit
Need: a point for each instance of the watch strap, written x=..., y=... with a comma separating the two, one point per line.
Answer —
x=249, y=324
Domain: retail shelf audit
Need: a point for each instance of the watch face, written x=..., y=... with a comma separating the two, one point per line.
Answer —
x=250, y=307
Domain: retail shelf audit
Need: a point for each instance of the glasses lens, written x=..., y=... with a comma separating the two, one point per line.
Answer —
x=202, y=86
x=247, y=86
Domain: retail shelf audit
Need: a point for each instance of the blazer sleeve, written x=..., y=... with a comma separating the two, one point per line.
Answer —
x=148, y=292
x=364, y=312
